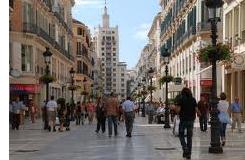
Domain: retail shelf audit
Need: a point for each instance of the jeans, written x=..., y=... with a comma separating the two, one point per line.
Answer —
x=222, y=129
x=129, y=120
x=112, y=119
x=203, y=119
x=100, y=123
x=186, y=125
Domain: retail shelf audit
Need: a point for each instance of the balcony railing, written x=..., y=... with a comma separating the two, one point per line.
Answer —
x=32, y=28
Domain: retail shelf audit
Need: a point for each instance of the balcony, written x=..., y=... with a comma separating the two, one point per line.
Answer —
x=33, y=29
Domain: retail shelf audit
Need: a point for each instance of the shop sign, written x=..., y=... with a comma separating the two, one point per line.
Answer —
x=32, y=88
x=206, y=82
x=239, y=61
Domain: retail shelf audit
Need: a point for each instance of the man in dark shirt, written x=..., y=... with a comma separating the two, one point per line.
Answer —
x=187, y=109
x=203, y=107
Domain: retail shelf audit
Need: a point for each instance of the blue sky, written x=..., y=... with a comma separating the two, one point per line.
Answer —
x=134, y=18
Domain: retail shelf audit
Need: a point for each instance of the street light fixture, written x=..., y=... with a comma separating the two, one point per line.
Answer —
x=143, y=99
x=72, y=73
x=47, y=59
x=165, y=54
x=214, y=7
x=150, y=73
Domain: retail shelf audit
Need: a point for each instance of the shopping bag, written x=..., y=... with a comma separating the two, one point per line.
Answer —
x=176, y=126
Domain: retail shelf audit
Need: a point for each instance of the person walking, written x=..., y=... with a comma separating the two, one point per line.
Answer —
x=112, y=113
x=78, y=113
x=32, y=110
x=83, y=112
x=223, y=106
x=186, y=106
x=90, y=109
x=100, y=115
x=52, y=109
x=44, y=114
x=150, y=110
x=128, y=110
x=203, y=107
x=17, y=107
x=236, y=111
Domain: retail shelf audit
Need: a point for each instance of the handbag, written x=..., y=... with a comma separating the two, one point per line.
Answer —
x=176, y=126
x=224, y=117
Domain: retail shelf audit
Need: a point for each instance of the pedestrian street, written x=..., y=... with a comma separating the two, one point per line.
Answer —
x=148, y=142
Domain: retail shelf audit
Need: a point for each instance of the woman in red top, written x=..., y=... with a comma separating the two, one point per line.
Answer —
x=90, y=109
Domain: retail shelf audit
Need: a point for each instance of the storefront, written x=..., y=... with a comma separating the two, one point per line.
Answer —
x=25, y=92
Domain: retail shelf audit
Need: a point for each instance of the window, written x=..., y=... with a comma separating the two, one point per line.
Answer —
x=103, y=54
x=114, y=59
x=122, y=85
x=114, y=74
x=242, y=13
x=114, y=80
x=114, y=49
x=114, y=69
x=27, y=13
x=102, y=48
x=114, y=64
x=79, y=31
x=114, y=54
x=79, y=48
x=122, y=79
x=26, y=58
x=122, y=74
x=102, y=43
x=79, y=67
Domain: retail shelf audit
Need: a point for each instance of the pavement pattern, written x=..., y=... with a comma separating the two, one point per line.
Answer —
x=148, y=142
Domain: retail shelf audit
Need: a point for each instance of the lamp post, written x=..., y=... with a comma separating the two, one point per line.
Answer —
x=143, y=99
x=139, y=85
x=84, y=88
x=150, y=73
x=72, y=72
x=165, y=54
x=47, y=59
x=214, y=8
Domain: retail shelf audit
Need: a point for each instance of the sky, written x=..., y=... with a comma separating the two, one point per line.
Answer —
x=133, y=17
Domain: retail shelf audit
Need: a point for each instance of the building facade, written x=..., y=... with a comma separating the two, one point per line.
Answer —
x=85, y=61
x=234, y=34
x=107, y=49
x=122, y=80
x=35, y=25
x=184, y=30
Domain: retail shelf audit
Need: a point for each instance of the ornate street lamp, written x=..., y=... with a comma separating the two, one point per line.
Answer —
x=72, y=73
x=150, y=73
x=214, y=8
x=143, y=99
x=47, y=59
x=165, y=54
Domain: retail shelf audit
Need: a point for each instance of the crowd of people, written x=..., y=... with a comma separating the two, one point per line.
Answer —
x=108, y=108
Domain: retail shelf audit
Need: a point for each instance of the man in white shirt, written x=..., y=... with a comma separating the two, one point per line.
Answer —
x=128, y=107
x=52, y=109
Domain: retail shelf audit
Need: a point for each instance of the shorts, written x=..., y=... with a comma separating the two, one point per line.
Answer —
x=51, y=116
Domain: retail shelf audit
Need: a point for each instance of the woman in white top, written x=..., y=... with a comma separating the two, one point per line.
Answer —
x=223, y=106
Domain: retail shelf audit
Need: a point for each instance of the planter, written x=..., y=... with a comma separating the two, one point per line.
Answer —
x=166, y=79
x=84, y=93
x=151, y=88
x=222, y=52
x=73, y=87
x=47, y=79
x=177, y=80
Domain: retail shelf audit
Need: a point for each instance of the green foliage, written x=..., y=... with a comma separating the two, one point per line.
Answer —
x=222, y=52
x=165, y=79
x=47, y=79
x=151, y=88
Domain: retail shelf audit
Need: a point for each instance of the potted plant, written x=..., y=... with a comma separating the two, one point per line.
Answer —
x=177, y=80
x=223, y=53
x=84, y=93
x=47, y=79
x=151, y=88
x=165, y=79
x=73, y=87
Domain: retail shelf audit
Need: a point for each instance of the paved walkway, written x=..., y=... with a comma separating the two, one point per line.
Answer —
x=149, y=142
